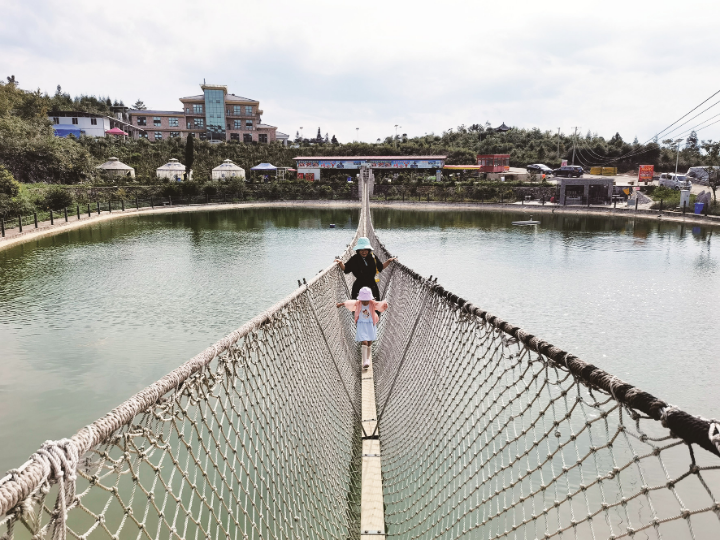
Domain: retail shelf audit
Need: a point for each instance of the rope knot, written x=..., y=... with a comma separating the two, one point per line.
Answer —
x=664, y=413
x=59, y=460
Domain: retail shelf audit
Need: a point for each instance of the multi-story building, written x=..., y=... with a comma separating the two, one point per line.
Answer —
x=213, y=115
x=79, y=123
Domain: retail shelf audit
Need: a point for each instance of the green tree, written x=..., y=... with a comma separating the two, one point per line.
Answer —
x=139, y=105
x=712, y=158
x=189, y=155
x=57, y=198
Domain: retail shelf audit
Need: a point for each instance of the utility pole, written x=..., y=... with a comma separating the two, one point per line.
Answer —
x=574, y=144
x=396, y=128
x=558, y=143
x=677, y=158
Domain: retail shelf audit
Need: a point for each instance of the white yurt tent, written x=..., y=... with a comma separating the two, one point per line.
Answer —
x=115, y=167
x=173, y=169
x=227, y=170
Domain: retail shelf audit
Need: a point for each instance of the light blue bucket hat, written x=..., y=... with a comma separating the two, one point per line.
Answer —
x=363, y=243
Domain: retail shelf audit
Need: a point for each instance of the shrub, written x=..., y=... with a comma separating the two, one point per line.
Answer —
x=57, y=198
x=8, y=185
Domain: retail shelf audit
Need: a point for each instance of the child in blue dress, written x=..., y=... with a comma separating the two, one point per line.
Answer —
x=366, y=310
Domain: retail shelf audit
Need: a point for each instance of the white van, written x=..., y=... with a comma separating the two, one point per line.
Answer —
x=674, y=181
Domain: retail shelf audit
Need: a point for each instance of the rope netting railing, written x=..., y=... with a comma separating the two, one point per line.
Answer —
x=489, y=432
x=257, y=437
x=486, y=432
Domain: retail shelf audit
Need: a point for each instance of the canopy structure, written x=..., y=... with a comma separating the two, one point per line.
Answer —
x=115, y=131
x=173, y=169
x=228, y=169
x=115, y=167
x=462, y=167
x=264, y=167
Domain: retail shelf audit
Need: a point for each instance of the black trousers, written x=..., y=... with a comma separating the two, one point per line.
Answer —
x=360, y=284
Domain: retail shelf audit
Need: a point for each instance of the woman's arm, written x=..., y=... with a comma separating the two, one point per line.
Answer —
x=341, y=265
x=386, y=263
x=340, y=304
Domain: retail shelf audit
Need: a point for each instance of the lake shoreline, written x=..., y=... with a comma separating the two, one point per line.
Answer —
x=652, y=215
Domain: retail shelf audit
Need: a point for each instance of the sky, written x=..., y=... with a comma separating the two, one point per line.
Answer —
x=630, y=66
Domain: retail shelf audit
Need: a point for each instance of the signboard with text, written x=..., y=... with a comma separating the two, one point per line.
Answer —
x=645, y=173
x=374, y=163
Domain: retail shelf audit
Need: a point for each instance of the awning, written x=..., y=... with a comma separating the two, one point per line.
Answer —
x=264, y=167
x=115, y=131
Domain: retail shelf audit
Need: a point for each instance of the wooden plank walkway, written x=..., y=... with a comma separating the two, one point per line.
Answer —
x=372, y=512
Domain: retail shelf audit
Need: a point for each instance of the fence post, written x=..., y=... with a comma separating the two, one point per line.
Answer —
x=35, y=216
x=615, y=204
x=20, y=223
x=223, y=196
x=110, y=206
x=502, y=198
x=78, y=212
x=152, y=204
x=52, y=218
x=636, y=203
x=684, y=207
x=661, y=201
x=65, y=210
x=122, y=204
x=88, y=209
x=98, y=207
x=2, y=226
x=170, y=199
x=137, y=206
x=207, y=198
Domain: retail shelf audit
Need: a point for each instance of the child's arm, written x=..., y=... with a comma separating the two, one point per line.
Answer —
x=381, y=306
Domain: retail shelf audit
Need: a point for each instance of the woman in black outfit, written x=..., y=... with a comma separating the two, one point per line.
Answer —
x=364, y=265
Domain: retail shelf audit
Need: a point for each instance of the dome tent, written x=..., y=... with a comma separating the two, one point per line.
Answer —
x=114, y=167
x=173, y=169
x=227, y=169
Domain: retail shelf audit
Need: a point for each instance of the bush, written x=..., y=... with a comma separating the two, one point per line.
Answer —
x=57, y=198
x=8, y=185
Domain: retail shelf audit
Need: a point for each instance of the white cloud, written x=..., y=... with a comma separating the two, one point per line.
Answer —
x=627, y=66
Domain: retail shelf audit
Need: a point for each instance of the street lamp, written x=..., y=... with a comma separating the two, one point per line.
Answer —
x=677, y=158
x=301, y=136
x=357, y=134
x=396, y=128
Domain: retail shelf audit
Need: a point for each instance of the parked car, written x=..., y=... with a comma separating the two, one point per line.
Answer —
x=539, y=168
x=674, y=181
x=574, y=171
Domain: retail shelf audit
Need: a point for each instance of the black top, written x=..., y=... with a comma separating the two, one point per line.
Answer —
x=363, y=269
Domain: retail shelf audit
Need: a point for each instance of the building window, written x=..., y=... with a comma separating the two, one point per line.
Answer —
x=235, y=137
x=189, y=125
x=248, y=110
x=203, y=136
x=262, y=137
x=175, y=134
x=173, y=122
x=237, y=110
x=143, y=136
x=199, y=122
x=93, y=121
x=248, y=125
x=74, y=121
x=158, y=135
x=142, y=121
x=187, y=111
x=238, y=124
x=157, y=121
x=56, y=120
x=247, y=137
x=197, y=108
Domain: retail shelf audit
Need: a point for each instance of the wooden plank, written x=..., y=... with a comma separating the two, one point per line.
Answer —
x=372, y=511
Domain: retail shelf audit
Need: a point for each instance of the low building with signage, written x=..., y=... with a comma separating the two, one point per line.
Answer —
x=309, y=168
x=493, y=163
x=215, y=115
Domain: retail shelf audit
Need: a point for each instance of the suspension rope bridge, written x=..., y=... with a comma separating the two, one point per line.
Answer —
x=464, y=427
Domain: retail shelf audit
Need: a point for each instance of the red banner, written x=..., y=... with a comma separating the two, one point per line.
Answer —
x=645, y=173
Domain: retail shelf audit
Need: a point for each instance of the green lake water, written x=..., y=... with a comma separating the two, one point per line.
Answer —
x=90, y=316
